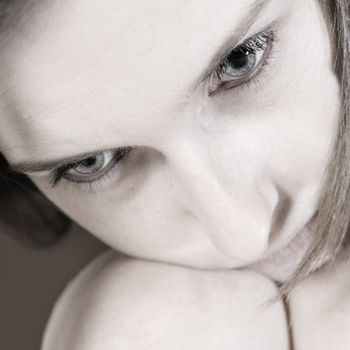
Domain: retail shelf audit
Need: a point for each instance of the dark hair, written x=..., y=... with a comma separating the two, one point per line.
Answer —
x=26, y=211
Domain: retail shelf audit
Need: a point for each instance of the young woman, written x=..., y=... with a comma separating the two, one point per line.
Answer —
x=187, y=133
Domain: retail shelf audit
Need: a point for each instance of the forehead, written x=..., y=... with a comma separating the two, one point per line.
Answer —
x=80, y=65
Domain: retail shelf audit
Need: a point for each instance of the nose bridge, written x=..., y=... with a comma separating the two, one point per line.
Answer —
x=236, y=226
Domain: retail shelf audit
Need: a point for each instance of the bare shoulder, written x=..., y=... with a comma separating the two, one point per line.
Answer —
x=320, y=309
x=62, y=322
x=121, y=303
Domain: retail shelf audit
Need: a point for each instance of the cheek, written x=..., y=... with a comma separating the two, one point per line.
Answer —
x=286, y=139
x=309, y=104
x=288, y=144
x=304, y=120
x=143, y=219
x=301, y=152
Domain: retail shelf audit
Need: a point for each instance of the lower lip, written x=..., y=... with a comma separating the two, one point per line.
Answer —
x=289, y=255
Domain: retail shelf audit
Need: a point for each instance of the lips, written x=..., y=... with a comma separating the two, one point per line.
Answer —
x=282, y=263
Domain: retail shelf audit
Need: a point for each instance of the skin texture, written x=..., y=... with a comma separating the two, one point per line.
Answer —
x=179, y=308
x=216, y=182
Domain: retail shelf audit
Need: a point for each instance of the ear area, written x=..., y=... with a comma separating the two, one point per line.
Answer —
x=25, y=213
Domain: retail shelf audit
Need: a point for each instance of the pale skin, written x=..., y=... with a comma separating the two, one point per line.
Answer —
x=123, y=303
x=215, y=182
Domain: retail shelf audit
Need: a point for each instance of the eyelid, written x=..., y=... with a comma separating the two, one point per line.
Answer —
x=214, y=65
x=271, y=32
x=221, y=84
x=42, y=173
x=44, y=168
x=93, y=187
x=109, y=161
x=58, y=174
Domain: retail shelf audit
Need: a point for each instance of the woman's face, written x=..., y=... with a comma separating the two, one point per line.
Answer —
x=231, y=109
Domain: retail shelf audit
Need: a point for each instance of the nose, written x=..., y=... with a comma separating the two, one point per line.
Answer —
x=238, y=224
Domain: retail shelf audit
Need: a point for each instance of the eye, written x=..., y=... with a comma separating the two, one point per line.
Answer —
x=242, y=63
x=91, y=168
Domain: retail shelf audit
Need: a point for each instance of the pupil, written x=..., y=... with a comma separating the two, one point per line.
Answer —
x=88, y=162
x=238, y=60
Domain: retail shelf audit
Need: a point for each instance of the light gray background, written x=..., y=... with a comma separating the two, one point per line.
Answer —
x=32, y=279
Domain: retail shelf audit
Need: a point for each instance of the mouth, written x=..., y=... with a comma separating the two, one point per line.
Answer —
x=281, y=264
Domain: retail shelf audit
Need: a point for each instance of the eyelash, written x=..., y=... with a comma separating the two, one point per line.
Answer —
x=252, y=45
x=58, y=174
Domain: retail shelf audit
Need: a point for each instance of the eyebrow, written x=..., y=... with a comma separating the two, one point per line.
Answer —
x=232, y=39
x=254, y=10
